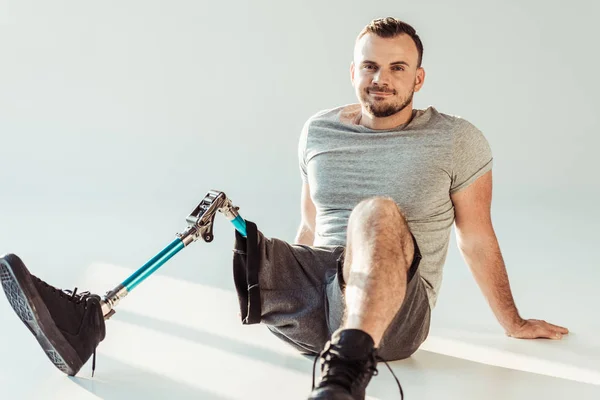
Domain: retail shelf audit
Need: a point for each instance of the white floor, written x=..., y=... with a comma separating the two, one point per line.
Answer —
x=117, y=117
x=178, y=334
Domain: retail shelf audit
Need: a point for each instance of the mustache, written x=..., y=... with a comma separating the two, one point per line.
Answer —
x=382, y=90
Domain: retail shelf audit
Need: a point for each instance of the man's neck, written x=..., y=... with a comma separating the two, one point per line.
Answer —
x=384, y=123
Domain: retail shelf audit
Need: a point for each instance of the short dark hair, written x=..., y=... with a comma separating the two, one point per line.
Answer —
x=391, y=27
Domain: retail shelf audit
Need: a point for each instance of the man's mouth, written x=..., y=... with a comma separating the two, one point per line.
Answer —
x=374, y=93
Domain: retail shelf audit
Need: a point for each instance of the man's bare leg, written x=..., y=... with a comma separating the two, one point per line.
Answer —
x=379, y=253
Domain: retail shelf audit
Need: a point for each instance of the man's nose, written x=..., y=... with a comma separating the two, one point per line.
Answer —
x=381, y=77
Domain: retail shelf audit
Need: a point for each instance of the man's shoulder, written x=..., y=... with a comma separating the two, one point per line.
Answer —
x=441, y=120
x=452, y=118
x=348, y=114
x=335, y=114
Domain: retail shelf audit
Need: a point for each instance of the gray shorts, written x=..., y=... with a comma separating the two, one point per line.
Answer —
x=297, y=292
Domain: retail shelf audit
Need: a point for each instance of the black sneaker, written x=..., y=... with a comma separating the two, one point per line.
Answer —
x=348, y=362
x=68, y=325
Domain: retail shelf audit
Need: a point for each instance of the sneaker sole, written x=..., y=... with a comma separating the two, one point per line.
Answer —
x=28, y=305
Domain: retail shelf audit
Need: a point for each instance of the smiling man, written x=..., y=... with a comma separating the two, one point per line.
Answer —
x=383, y=183
x=384, y=79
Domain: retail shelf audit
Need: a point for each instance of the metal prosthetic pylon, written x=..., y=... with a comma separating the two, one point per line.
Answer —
x=200, y=225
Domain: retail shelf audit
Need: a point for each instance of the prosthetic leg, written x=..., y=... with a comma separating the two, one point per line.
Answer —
x=200, y=225
x=69, y=325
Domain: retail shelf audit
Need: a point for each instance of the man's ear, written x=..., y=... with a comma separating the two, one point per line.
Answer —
x=352, y=72
x=420, y=79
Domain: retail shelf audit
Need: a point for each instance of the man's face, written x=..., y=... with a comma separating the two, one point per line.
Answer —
x=384, y=73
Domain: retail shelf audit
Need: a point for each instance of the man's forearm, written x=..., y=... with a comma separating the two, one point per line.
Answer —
x=487, y=266
x=305, y=235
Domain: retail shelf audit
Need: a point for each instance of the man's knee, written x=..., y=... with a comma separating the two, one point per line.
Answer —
x=377, y=209
x=379, y=223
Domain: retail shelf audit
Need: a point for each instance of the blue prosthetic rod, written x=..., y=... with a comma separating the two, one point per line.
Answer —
x=200, y=224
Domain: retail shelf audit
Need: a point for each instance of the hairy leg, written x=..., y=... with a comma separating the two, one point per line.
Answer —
x=379, y=253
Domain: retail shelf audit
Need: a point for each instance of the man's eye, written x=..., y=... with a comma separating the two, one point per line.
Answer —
x=399, y=69
x=369, y=66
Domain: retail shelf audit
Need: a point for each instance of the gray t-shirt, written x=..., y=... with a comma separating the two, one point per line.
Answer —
x=418, y=164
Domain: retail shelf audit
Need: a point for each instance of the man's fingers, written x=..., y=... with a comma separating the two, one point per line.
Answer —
x=540, y=329
x=545, y=334
x=560, y=329
x=546, y=330
x=554, y=334
x=557, y=329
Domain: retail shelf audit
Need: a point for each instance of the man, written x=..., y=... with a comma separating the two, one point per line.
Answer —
x=382, y=185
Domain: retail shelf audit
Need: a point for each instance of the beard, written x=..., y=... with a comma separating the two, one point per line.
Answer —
x=386, y=107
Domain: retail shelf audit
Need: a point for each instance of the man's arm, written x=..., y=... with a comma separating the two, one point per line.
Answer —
x=479, y=246
x=306, y=231
x=488, y=268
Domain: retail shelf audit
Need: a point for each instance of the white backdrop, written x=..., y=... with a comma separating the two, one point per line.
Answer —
x=116, y=118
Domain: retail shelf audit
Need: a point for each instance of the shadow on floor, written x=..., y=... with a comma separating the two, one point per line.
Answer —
x=122, y=381
x=303, y=364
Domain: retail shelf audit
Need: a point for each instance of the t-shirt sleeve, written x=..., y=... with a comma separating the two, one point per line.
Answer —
x=471, y=155
x=302, y=152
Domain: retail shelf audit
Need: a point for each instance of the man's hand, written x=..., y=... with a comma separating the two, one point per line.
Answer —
x=535, y=328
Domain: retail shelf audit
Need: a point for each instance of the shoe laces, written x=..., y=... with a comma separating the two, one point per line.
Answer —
x=78, y=298
x=70, y=295
x=74, y=297
x=339, y=370
x=394, y=375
